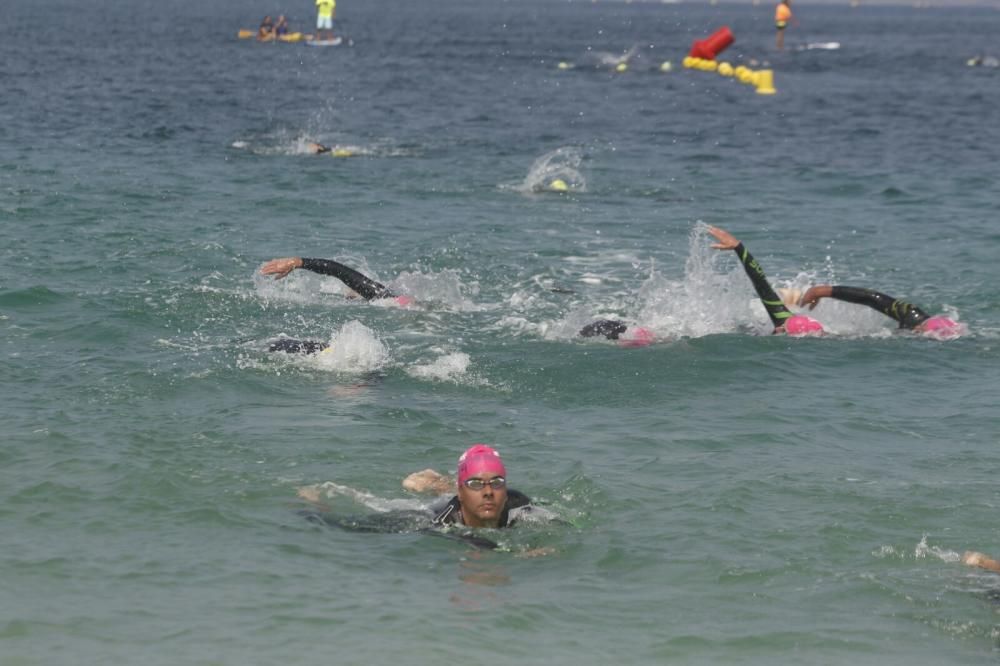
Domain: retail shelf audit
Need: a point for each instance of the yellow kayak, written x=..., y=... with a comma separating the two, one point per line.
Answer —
x=289, y=37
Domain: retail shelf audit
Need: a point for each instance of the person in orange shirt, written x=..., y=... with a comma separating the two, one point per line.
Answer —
x=782, y=15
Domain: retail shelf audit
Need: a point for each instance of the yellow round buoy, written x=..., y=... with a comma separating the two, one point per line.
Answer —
x=621, y=67
x=342, y=152
x=765, y=82
x=564, y=65
x=558, y=185
x=667, y=66
x=710, y=66
x=688, y=62
x=725, y=69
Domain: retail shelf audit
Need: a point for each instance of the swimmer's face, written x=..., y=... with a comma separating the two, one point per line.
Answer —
x=482, y=507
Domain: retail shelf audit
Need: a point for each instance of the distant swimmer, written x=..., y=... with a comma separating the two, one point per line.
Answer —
x=624, y=334
x=483, y=500
x=975, y=559
x=782, y=318
x=266, y=30
x=317, y=148
x=325, y=11
x=320, y=149
x=782, y=16
x=359, y=283
x=909, y=316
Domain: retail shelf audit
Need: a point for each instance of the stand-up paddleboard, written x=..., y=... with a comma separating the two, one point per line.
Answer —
x=336, y=41
x=822, y=46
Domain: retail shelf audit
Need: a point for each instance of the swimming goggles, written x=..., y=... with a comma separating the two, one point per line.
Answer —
x=496, y=483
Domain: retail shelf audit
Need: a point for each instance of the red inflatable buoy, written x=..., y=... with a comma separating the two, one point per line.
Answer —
x=713, y=45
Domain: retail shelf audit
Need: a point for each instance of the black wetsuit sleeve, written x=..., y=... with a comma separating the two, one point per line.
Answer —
x=608, y=328
x=293, y=346
x=776, y=309
x=367, y=288
x=907, y=314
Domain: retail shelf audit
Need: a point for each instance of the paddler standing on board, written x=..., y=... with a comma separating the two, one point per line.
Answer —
x=782, y=15
x=325, y=10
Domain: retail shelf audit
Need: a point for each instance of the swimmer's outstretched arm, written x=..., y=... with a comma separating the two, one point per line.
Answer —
x=368, y=289
x=312, y=495
x=906, y=314
x=974, y=559
x=429, y=481
x=776, y=309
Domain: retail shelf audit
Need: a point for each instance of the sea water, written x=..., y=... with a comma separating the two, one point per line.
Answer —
x=725, y=496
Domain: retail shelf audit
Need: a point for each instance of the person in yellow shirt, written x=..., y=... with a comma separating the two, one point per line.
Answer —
x=782, y=15
x=325, y=10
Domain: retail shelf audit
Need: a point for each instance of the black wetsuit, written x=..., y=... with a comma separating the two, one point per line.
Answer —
x=367, y=288
x=404, y=522
x=776, y=309
x=292, y=346
x=517, y=504
x=609, y=328
x=908, y=315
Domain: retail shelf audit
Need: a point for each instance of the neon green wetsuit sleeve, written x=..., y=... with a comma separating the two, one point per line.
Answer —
x=776, y=309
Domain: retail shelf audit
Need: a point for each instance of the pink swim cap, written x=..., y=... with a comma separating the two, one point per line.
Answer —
x=636, y=336
x=941, y=327
x=403, y=301
x=480, y=459
x=800, y=325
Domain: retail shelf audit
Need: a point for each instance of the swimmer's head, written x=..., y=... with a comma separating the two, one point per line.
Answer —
x=800, y=325
x=636, y=336
x=480, y=459
x=941, y=327
x=404, y=301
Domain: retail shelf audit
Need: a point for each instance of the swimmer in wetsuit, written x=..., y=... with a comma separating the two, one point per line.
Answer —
x=359, y=283
x=782, y=318
x=612, y=329
x=908, y=316
x=483, y=501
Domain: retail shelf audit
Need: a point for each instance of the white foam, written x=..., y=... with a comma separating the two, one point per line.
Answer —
x=355, y=349
x=562, y=164
x=449, y=367
x=332, y=490
x=922, y=550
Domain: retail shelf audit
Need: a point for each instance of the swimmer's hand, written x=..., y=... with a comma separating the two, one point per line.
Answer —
x=310, y=494
x=726, y=239
x=974, y=559
x=536, y=552
x=428, y=481
x=280, y=268
x=813, y=295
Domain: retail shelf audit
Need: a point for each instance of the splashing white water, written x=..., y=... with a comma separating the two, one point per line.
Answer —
x=354, y=349
x=561, y=165
x=923, y=550
x=451, y=367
